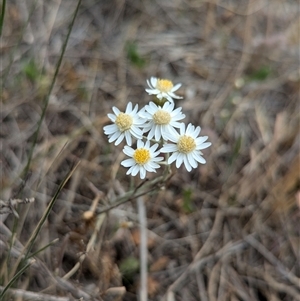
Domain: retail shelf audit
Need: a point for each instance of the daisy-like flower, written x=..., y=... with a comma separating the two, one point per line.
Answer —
x=143, y=158
x=163, y=88
x=161, y=121
x=125, y=125
x=187, y=147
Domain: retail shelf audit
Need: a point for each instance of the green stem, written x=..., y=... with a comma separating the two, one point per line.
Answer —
x=46, y=102
x=2, y=16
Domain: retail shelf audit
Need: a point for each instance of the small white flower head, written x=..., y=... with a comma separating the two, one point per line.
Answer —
x=163, y=88
x=161, y=121
x=125, y=125
x=143, y=158
x=187, y=147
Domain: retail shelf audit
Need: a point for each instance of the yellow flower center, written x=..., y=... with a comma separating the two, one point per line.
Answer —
x=186, y=144
x=164, y=85
x=162, y=117
x=141, y=156
x=124, y=122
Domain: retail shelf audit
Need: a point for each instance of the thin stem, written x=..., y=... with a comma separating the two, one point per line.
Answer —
x=2, y=16
x=11, y=282
x=46, y=101
x=143, y=249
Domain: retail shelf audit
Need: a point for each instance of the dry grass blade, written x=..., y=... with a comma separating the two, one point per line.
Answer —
x=15, y=277
x=64, y=67
x=19, y=293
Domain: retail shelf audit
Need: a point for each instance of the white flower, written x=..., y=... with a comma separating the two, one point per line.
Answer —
x=187, y=147
x=161, y=120
x=162, y=88
x=125, y=125
x=142, y=159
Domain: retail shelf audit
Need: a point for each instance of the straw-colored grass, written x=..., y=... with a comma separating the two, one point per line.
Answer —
x=228, y=230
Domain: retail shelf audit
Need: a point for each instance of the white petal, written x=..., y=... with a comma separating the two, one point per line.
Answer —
x=128, y=138
x=135, y=110
x=199, y=158
x=159, y=95
x=168, y=148
x=128, y=151
x=153, y=81
x=119, y=140
x=168, y=106
x=135, y=170
x=187, y=164
x=175, y=124
x=149, y=168
x=182, y=129
x=149, y=84
x=173, y=157
x=110, y=129
x=174, y=95
x=114, y=137
x=129, y=171
x=176, y=87
x=189, y=130
x=196, y=132
x=136, y=132
x=191, y=160
x=151, y=91
x=157, y=132
x=203, y=145
x=179, y=160
x=200, y=140
x=147, y=144
x=152, y=107
x=143, y=172
x=153, y=165
x=140, y=144
x=168, y=97
x=157, y=159
x=171, y=131
x=128, y=163
x=112, y=117
x=154, y=147
x=129, y=108
x=116, y=110
x=152, y=132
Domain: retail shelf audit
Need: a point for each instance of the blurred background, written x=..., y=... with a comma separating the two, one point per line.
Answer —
x=228, y=230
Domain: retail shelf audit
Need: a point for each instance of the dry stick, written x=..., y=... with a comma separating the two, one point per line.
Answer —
x=136, y=192
x=19, y=293
x=213, y=282
x=75, y=291
x=255, y=274
x=282, y=287
x=273, y=260
x=143, y=248
x=227, y=237
x=62, y=283
x=228, y=249
x=245, y=58
x=237, y=286
x=214, y=233
x=90, y=244
x=201, y=286
x=206, y=248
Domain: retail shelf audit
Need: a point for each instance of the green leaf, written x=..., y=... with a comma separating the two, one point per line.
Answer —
x=261, y=74
x=129, y=267
x=187, y=201
x=236, y=150
x=133, y=55
x=31, y=70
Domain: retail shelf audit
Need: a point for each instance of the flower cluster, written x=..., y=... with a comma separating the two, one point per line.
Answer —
x=159, y=121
